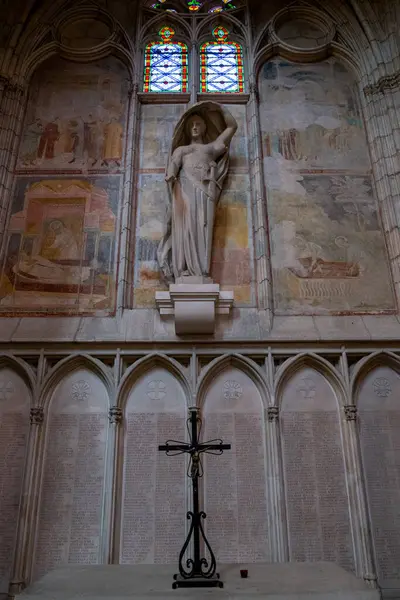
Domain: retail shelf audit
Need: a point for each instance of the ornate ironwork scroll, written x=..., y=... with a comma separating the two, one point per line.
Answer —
x=196, y=571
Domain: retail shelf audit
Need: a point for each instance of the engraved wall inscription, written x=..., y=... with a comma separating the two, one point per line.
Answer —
x=379, y=423
x=14, y=427
x=71, y=519
x=234, y=483
x=316, y=496
x=154, y=485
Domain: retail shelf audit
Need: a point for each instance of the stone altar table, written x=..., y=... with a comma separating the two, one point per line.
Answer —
x=279, y=581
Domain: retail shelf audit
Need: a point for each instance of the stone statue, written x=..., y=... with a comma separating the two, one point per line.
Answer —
x=196, y=170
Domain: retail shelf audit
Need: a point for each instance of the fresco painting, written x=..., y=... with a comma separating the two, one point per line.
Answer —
x=61, y=246
x=232, y=251
x=327, y=248
x=75, y=117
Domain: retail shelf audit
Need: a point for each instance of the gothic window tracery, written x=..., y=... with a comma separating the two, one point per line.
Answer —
x=221, y=64
x=166, y=64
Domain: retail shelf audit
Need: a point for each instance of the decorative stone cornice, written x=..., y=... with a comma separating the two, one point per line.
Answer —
x=37, y=415
x=387, y=82
x=350, y=412
x=273, y=413
x=115, y=415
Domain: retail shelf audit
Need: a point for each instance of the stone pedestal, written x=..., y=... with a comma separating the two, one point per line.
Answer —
x=194, y=306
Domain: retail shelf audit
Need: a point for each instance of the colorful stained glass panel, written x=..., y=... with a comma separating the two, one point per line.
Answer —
x=221, y=67
x=165, y=67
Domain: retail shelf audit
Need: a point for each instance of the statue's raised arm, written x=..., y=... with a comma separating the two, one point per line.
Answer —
x=224, y=139
x=195, y=174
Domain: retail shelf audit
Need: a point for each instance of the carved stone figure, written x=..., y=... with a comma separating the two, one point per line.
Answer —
x=196, y=170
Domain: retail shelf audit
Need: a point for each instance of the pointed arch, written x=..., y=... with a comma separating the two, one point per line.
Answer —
x=312, y=361
x=20, y=367
x=70, y=364
x=208, y=23
x=151, y=27
x=380, y=358
x=352, y=52
x=145, y=364
x=242, y=363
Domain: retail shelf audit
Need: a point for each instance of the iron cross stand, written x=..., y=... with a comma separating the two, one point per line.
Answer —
x=199, y=571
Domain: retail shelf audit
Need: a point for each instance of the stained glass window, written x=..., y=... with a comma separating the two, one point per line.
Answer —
x=221, y=64
x=165, y=64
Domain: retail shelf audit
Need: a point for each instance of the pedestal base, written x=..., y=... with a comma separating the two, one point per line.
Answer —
x=194, y=306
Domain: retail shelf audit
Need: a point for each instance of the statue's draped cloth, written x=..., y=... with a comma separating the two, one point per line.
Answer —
x=187, y=244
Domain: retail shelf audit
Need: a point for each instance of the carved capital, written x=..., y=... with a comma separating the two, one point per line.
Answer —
x=350, y=412
x=37, y=415
x=273, y=413
x=370, y=579
x=115, y=415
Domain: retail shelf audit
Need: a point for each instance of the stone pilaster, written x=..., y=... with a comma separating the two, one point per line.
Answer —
x=126, y=266
x=363, y=556
x=381, y=103
x=12, y=104
x=260, y=218
x=26, y=524
x=275, y=512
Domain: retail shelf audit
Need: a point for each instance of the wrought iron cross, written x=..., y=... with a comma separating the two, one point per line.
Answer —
x=199, y=571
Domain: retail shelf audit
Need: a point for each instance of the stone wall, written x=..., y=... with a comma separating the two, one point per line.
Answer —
x=313, y=437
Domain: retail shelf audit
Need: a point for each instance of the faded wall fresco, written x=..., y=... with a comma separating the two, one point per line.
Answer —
x=60, y=247
x=232, y=251
x=75, y=117
x=328, y=250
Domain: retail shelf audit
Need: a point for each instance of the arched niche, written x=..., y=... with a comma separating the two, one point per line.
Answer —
x=154, y=485
x=15, y=399
x=328, y=248
x=235, y=482
x=63, y=228
x=71, y=517
x=378, y=400
x=317, y=505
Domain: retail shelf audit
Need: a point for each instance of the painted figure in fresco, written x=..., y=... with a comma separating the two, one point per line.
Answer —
x=112, y=151
x=61, y=263
x=71, y=140
x=90, y=140
x=47, y=140
x=196, y=170
x=64, y=245
x=31, y=141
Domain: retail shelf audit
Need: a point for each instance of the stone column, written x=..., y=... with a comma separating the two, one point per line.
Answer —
x=276, y=521
x=194, y=71
x=12, y=104
x=363, y=558
x=125, y=271
x=25, y=530
x=259, y=211
x=115, y=416
x=381, y=104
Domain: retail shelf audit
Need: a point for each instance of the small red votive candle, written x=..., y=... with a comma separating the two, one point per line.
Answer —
x=243, y=573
